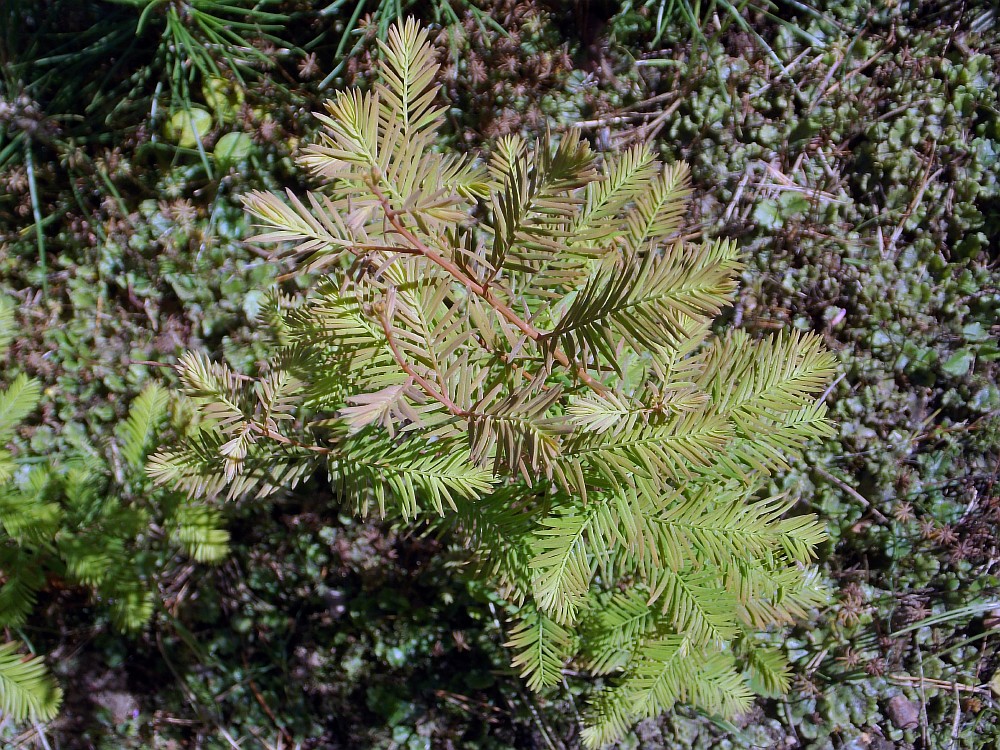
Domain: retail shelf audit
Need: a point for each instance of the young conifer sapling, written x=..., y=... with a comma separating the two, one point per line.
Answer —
x=521, y=349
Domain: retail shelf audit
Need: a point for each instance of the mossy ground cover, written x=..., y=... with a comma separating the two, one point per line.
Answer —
x=855, y=154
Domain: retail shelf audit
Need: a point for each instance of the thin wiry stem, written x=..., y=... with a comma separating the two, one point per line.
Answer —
x=29, y=163
x=479, y=289
x=357, y=250
x=483, y=291
x=278, y=437
x=427, y=385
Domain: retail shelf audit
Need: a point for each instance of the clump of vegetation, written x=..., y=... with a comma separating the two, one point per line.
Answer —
x=85, y=520
x=543, y=380
x=842, y=183
x=26, y=688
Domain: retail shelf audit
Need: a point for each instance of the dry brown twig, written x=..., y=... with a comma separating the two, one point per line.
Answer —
x=852, y=492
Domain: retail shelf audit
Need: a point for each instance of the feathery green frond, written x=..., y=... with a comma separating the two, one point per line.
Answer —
x=593, y=413
x=650, y=302
x=7, y=326
x=541, y=648
x=750, y=381
x=770, y=446
x=132, y=606
x=720, y=524
x=7, y=465
x=215, y=386
x=534, y=204
x=82, y=519
x=197, y=467
x=668, y=670
x=768, y=669
x=90, y=559
x=660, y=675
x=621, y=623
x=350, y=139
x=198, y=530
x=16, y=403
x=410, y=475
x=501, y=531
x=718, y=687
x=659, y=207
x=26, y=517
x=145, y=415
x=385, y=407
x=27, y=690
x=626, y=176
x=319, y=234
x=409, y=74
x=695, y=606
x=334, y=325
x=562, y=563
x=608, y=719
x=24, y=577
x=775, y=592
x=616, y=412
x=659, y=453
x=516, y=432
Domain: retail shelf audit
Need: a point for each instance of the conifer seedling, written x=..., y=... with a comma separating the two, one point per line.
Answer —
x=522, y=348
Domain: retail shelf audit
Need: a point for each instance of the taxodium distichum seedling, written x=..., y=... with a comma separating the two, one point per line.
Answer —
x=521, y=349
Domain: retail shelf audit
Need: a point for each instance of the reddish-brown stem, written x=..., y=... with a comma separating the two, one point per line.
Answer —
x=402, y=249
x=427, y=385
x=263, y=704
x=526, y=328
x=278, y=437
x=479, y=289
x=354, y=250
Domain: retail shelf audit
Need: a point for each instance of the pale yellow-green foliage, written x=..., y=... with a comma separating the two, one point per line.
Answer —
x=521, y=349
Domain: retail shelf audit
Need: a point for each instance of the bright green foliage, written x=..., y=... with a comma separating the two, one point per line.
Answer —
x=523, y=350
x=26, y=688
x=82, y=520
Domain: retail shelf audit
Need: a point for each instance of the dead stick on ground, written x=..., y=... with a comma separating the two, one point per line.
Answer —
x=852, y=492
x=945, y=684
x=263, y=703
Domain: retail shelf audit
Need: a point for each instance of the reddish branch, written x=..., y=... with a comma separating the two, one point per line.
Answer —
x=427, y=385
x=277, y=436
x=479, y=289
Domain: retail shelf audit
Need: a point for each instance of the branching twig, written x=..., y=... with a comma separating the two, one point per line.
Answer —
x=943, y=684
x=149, y=363
x=427, y=385
x=278, y=437
x=263, y=704
x=448, y=265
x=955, y=721
x=479, y=289
x=852, y=492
